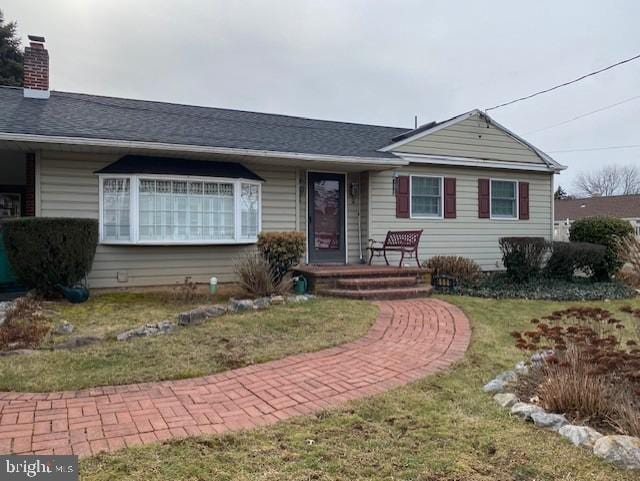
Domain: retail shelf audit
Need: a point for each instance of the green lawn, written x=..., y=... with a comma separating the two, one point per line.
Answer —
x=441, y=428
x=226, y=342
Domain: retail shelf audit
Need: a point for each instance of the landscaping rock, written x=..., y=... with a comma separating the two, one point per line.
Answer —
x=623, y=451
x=152, y=329
x=500, y=382
x=300, y=298
x=549, y=420
x=262, y=303
x=506, y=400
x=580, y=435
x=198, y=315
x=521, y=368
x=78, y=341
x=525, y=410
x=239, y=305
x=63, y=329
x=542, y=356
x=4, y=307
x=18, y=352
x=277, y=300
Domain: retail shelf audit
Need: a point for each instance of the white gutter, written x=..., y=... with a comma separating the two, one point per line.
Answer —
x=201, y=149
x=472, y=162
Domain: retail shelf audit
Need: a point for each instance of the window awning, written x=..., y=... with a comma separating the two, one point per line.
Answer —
x=143, y=164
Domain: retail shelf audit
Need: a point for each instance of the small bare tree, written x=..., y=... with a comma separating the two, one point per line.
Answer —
x=610, y=180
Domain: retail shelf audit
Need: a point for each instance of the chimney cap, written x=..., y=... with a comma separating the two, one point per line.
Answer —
x=36, y=38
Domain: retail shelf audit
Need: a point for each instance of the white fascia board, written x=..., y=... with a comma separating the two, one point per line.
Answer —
x=201, y=149
x=471, y=162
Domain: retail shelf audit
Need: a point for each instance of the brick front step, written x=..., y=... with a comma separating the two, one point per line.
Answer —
x=379, y=294
x=376, y=282
x=358, y=270
x=328, y=277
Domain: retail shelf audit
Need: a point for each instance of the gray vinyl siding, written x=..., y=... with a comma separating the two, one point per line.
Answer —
x=69, y=188
x=466, y=235
x=472, y=138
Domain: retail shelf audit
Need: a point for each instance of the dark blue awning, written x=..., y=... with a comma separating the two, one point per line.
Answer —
x=143, y=164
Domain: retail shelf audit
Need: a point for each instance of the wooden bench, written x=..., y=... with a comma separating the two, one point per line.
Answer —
x=403, y=241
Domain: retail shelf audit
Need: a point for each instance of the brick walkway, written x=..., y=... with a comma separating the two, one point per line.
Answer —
x=409, y=340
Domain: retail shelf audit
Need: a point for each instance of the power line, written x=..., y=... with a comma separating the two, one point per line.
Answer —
x=630, y=59
x=584, y=115
x=610, y=147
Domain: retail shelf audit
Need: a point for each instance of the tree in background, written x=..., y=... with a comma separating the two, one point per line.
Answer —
x=560, y=193
x=610, y=180
x=10, y=54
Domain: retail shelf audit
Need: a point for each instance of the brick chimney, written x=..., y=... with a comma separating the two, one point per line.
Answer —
x=36, y=69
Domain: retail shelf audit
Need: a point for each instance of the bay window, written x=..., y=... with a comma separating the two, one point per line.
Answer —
x=151, y=209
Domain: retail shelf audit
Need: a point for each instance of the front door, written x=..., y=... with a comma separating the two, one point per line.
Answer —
x=326, y=218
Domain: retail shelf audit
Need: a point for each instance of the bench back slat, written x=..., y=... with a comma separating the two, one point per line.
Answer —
x=403, y=238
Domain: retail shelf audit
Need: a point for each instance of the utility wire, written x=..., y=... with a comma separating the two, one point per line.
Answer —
x=621, y=62
x=583, y=115
x=610, y=147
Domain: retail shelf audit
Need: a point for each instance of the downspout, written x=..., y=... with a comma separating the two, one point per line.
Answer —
x=360, y=217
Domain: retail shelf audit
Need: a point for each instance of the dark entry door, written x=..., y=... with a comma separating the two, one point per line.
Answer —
x=326, y=218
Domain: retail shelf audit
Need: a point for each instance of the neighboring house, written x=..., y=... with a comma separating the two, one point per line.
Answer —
x=625, y=207
x=183, y=191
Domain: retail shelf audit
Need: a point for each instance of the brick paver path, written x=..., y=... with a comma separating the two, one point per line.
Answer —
x=409, y=340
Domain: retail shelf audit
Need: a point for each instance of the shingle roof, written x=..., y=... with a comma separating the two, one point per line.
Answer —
x=91, y=116
x=622, y=206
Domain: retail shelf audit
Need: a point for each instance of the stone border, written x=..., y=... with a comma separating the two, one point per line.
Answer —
x=621, y=451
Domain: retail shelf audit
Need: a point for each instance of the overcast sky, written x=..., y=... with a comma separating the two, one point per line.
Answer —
x=375, y=61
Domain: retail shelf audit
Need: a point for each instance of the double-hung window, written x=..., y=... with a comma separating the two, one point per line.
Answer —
x=426, y=197
x=151, y=209
x=504, y=199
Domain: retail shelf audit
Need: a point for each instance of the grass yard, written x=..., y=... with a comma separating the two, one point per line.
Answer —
x=220, y=344
x=441, y=428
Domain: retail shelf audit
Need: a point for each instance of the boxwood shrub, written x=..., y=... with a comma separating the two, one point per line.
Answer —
x=523, y=257
x=282, y=250
x=568, y=257
x=45, y=252
x=604, y=231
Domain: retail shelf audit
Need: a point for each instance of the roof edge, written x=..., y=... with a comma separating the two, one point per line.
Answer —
x=161, y=146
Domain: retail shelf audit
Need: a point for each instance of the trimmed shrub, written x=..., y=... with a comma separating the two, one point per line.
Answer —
x=46, y=252
x=257, y=277
x=567, y=257
x=523, y=256
x=466, y=271
x=604, y=231
x=282, y=250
